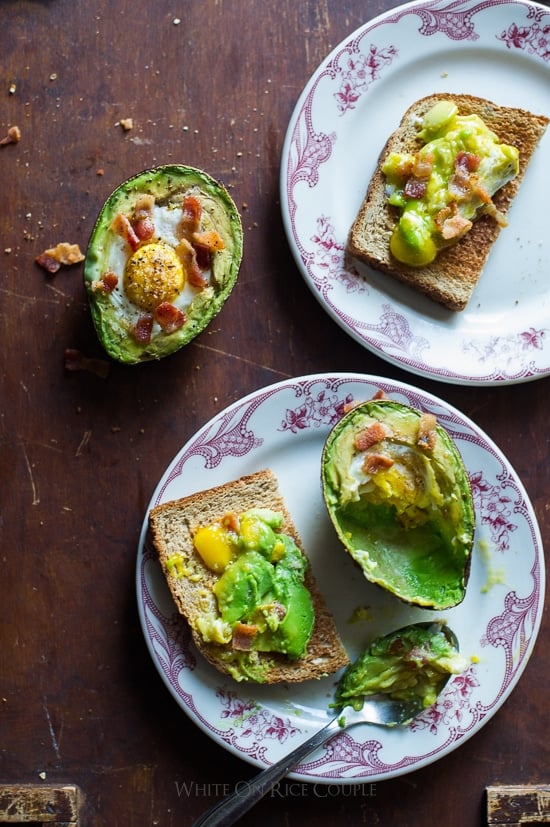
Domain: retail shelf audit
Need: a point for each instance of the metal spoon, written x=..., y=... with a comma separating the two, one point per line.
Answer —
x=377, y=709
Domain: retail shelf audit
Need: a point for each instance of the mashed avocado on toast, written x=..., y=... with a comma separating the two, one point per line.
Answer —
x=238, y=573
x=441, y=191
x=442, y=188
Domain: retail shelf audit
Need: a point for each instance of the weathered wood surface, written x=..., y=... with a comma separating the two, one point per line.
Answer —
x=80, y=700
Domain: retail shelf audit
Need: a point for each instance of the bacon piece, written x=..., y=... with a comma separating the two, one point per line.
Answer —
x=122, y=226
x=169, y=317
x=48, y=263
x=191, y=216
x=107, y=282
x=380, y=394
x=142, y=329
x=373, y=463
x=468, y=162
x=423, y=166
x=209, y=240
x=144, y=228
x=369, y=436
x=243, y=635
x=415, y=188
x=13, y=136
x=231, y=521
x=455, y=227
x=499, y=216
x=480, y=191
x=62, y=254
x=76, y=360
x=142, y=219
x=188, y=256
x=426, y=431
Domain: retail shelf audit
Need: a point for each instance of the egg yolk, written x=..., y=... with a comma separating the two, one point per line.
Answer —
x=152, y=275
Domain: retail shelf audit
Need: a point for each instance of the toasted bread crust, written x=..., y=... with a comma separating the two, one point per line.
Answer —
x=453, y=276
x=172, y=527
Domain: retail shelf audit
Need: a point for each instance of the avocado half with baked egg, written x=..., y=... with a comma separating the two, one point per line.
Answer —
x=400, y=499
x=162, y=259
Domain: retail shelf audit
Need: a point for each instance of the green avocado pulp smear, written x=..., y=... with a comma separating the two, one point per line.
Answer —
x=399, y=496
x=162, y=259
x=441, y=189
x=263, y=604
x=410, y=664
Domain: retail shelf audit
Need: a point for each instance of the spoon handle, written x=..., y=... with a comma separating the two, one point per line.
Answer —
x=230, y=809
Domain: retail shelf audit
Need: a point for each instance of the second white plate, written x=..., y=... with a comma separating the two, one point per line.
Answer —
x=284, y=427
x=495, y=49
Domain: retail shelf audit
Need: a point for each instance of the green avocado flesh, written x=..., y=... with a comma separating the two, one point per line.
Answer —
x=402, y=506
x=260, y=591
x=412, y=663
x=162, y=259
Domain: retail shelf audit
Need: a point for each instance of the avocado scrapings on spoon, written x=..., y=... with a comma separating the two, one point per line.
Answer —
x=413, y=663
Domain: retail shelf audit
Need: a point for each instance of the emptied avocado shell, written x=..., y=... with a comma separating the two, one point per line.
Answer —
x=423, y=555
x=167, y=184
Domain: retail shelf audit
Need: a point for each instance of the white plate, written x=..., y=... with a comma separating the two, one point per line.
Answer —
x=284, y=427
x=352, y=103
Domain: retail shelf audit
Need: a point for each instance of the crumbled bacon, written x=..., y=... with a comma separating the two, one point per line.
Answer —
x=169, y=317
x=142, y=219
x=48, y=263
x=76, y=360
x=243, y=635
x=13, y=136
x=480, y=191
x=107, y=282
x=455, y=227
x=230, y=520
x=188, y=256
x=191, y=216
x=467, y=161
x=415, y=188
x=380, y=394
x=369, y=436
x=499, y=216
x=142, y=329
x=426, y=431
x=210, y=240
x=373, y=463
x=62, y=254
x=122, y=226
x=464, y=181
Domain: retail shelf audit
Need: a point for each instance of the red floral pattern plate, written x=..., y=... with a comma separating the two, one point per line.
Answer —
x=284, y=427
x=495, y=49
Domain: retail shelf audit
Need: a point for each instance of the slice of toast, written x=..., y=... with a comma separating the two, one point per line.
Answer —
x=452, y=277
x=173, y=525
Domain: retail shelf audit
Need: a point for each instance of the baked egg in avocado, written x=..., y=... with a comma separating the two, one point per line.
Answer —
x=399, y=497
x=162, y=259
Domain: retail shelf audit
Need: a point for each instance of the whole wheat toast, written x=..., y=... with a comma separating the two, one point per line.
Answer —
x=452, y=277
x=172, y=527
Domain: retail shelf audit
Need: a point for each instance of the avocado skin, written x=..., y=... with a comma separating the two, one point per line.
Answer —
x=423, y=564
x=165, y=183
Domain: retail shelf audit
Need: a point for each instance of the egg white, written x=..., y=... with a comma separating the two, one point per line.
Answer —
x=166, y=220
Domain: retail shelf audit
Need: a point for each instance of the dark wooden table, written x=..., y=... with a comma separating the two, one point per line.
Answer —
x=81, y=702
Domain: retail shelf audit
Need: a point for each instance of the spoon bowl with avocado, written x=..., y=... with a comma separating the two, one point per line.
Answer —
x=396, y=678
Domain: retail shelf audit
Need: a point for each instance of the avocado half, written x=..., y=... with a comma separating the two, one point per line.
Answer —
x=399, y=497
x=162, y=259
